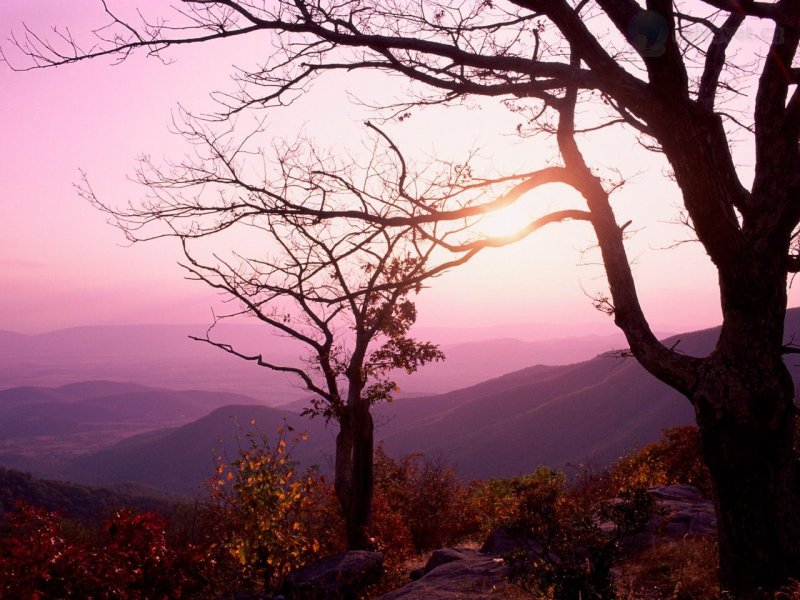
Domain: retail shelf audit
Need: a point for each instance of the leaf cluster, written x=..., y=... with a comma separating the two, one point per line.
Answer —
x=263, y=501
x=130, y=558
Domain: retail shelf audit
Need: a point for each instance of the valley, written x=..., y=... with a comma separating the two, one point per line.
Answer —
x=586, y=413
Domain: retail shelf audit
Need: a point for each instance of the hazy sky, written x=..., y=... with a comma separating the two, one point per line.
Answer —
x=61, y=265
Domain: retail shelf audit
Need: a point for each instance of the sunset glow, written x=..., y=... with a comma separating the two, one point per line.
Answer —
x=507, y=221
x=63, y=265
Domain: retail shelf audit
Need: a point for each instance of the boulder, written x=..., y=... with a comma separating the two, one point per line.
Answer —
x=339, y=577
x=446, y=555
x=682, y=511
x=465, y=574
x=502, y=542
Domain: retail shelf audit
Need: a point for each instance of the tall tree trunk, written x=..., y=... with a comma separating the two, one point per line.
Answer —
x=354, y=476
x=753, y=469
x=745, y=410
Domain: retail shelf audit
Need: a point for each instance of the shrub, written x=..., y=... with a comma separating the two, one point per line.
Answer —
x=675, y=458
x=685, y=570
x=42, y=556
x=424, y=494
x=573, y=557
x=491, y=503
x=264, y=504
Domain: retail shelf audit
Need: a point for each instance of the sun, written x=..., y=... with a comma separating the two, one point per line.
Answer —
x=506, y=221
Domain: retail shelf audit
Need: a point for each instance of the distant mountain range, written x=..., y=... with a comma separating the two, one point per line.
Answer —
x=164, y=356
x=585, y=413
x=43, y=428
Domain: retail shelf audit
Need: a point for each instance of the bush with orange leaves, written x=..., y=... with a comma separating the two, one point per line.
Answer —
x=675, y=458
x=264, y=506
x=424, y=497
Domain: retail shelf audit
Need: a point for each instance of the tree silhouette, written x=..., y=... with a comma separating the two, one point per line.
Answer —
x=341, y=289
x=673, y=72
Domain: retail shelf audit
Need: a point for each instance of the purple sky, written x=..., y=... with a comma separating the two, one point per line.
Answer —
x=61, y=265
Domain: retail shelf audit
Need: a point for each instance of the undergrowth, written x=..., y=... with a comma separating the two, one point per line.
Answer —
x=267, y=518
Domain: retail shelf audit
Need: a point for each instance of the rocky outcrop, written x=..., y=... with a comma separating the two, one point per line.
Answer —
x=455, y=573
x=442, y=557
x=685, y=512
x=461, y=573
x=681, y=511
x=501, y=542
x=338, y=577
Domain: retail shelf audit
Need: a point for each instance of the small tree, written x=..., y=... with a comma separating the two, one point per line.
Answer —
x=341, y=290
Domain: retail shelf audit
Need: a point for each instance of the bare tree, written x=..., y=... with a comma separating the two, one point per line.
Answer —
x=675, y=73
x=341, y=288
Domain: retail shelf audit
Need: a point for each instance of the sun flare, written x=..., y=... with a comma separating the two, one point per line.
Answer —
x=506, y=221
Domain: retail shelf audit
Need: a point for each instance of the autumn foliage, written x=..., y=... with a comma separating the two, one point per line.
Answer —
x=263, y=502
x=675, y=458
x=268, y=518
x=43, y=556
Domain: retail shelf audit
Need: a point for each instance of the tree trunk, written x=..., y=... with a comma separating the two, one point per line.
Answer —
x=354, y=477
x=745, y=410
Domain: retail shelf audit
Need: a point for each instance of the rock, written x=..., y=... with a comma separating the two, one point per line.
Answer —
x=683, y=511
x=470, y=575
x=338, y=577
x=678, y=492
x=501, y=542
x=444, y=556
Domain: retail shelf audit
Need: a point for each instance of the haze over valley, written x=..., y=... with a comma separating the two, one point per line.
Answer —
x=164, y=356
x=511, y=413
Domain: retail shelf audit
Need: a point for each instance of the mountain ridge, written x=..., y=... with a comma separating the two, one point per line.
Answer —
x=164, y=355
x=588, y=412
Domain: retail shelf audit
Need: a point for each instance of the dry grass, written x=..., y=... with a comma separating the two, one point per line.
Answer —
x=685, y=570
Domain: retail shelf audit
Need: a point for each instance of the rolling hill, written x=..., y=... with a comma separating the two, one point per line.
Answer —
x=587, y=412
x=180, y=459
x=40, y=428
x=73, y=500
x=591, y=412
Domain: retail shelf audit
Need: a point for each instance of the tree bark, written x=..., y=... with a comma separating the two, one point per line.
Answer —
x=753, y=470
x=354, y=475
x=745, y=410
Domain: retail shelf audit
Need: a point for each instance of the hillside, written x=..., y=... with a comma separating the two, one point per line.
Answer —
x=73, y=500
x=40, y=427
x=588, y=412
x=180, y=459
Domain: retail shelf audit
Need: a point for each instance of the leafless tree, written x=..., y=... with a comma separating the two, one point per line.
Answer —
x=340, y=288
x=674, y=72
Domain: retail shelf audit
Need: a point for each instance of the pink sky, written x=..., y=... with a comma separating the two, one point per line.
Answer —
x=61, y=265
